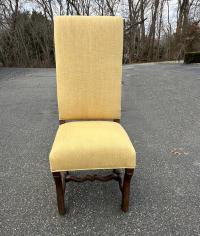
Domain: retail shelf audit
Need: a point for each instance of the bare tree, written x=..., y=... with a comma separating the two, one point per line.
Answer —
x=26, y=38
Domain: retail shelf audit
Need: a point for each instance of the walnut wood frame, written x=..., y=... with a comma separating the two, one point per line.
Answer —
x=61, y=178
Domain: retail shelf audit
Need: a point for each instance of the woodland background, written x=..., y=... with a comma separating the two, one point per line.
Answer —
x=155, y=30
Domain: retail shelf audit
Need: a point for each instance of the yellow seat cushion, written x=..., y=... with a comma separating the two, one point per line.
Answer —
x=87, y=145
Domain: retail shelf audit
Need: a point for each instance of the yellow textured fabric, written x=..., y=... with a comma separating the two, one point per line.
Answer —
x=86, y=145
x=88, y=53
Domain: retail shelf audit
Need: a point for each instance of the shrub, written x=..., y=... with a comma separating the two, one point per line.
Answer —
x=29, y=43
x=192, y=57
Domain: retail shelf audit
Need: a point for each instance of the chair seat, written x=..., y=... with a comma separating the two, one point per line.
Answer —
x=87, y=145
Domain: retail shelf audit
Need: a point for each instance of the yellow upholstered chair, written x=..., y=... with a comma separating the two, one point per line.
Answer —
x=88, y=53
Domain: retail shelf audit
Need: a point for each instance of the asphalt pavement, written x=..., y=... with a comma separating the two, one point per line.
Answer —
x=161, y=113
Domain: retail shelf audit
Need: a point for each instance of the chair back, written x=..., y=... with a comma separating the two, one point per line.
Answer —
x=88, y=52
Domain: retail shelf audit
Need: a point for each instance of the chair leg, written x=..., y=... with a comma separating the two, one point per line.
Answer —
x=60, y=192
x=126, y=189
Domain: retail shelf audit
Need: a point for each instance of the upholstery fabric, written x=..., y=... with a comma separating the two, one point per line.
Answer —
x=88, y=52
x=86, y=145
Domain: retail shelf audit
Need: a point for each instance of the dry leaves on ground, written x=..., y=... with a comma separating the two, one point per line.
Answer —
x=178, y=151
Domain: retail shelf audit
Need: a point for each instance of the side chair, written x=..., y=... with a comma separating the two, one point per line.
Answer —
x=88, y=52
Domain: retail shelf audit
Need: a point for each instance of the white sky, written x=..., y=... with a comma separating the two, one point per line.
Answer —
x=172, y=10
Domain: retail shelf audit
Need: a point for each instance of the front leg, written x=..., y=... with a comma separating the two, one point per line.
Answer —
x=59, y=182
x=126, y=189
